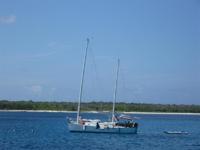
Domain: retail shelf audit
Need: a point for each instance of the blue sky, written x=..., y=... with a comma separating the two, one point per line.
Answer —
x=43, y=43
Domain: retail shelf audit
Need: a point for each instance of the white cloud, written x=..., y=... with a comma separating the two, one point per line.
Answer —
x=52, y=44
x=36, y=89
x=7, y=19
x=41, y=55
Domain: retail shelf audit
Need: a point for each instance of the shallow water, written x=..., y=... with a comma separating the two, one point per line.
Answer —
x=27, y=130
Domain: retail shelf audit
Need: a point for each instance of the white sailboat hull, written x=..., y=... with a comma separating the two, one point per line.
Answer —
x=93, y=129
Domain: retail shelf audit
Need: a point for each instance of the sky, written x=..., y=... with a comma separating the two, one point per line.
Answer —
x=42, y=45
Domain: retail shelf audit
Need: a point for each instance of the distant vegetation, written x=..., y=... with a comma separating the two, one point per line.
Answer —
x=97, y=106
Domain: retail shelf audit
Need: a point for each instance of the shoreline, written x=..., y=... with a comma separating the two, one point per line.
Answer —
x=64, y=111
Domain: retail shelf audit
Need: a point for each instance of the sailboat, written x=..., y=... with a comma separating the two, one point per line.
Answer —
x=119, y=124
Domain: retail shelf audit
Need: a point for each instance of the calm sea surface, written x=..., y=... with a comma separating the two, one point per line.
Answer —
x=48, y=131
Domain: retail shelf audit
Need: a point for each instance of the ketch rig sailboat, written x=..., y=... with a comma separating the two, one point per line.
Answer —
x=119, y=124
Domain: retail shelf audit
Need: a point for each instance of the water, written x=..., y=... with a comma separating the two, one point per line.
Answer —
x=41, y=131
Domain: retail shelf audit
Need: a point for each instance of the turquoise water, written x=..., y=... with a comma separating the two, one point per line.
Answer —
x=40, y=131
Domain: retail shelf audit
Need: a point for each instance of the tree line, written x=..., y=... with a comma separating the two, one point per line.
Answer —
x=97, y=106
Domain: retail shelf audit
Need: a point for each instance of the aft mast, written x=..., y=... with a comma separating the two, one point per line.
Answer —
x=115, y=91
x=82, y=81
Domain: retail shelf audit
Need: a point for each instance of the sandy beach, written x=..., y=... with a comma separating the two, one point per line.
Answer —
x=55, y=111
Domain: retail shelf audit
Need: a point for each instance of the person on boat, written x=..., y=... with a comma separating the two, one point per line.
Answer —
x=97, y=126
x=115, y=118
x=81, y=121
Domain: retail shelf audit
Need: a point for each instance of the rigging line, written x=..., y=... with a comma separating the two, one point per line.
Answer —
x=127, y=90
x=82, y=80
x=124, y=85
x=97, y=78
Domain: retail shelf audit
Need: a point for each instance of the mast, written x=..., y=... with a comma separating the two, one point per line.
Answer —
x=115, y=91
x=82, y=80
